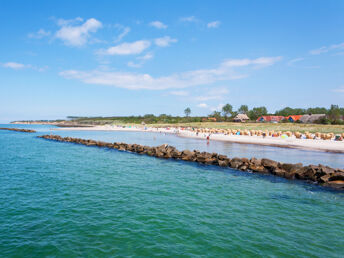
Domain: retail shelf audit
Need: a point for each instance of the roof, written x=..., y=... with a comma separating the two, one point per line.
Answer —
x=311, y=118
x=241, y=117
x=294, y=117
x=209, y=119
x=270, y=118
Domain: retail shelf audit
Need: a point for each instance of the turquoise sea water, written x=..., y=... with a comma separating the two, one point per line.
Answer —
x=66, y=200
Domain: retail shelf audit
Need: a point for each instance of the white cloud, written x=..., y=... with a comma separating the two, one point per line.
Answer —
x=164, y=41
x=77, y=35
x=259, y=62
x=19, y=66
x=181, y=93
x=318, y=51
x=125, y=31
x=158, y=25
x=146, y=56
x=142, y=60
x=326, y=49
x=340, y=89
x=136, y=81
x=293, y=61
x=127, y=48
x=41, y=33
x=134, y=65
x=214, y=24
x=202, y=105
x=189, y=19
x=14, y=65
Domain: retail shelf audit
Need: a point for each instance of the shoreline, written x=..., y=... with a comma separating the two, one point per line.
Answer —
x=305, y=144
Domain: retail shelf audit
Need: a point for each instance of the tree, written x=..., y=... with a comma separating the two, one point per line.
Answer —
x=216, y=114
x=257, y=112
x=187, y=112
x=317, y=110
x=287, y=111
x=227, y=109
x=243, y=109
x=334, y=113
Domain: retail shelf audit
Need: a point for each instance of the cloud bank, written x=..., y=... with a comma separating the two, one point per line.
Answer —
x=158, y=25
x=326, y=49
x=137, y=81
x=77, y=35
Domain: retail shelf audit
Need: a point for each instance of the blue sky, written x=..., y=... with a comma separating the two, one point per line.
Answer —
x=60, y=58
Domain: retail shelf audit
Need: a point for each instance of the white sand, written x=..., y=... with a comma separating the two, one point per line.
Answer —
x=291, y=142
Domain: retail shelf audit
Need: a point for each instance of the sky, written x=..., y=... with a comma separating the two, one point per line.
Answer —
x=113, y=58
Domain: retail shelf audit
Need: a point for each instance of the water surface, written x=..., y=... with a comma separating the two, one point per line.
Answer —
x=288, y=155
x=63, y=199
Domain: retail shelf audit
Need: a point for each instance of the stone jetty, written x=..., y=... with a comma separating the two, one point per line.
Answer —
x=18, y=130
x=322, y=175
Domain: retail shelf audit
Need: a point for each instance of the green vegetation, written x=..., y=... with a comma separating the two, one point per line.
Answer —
x=146, y=119
x=334, y=116
x=312, y=128
x=243, y=109
x=187, y=112
x=224, y=119
x=196, y=122
x=226, y=110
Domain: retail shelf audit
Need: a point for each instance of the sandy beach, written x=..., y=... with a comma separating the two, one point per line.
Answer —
x=291, y=142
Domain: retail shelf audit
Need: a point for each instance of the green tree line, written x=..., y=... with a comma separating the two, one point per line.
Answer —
x=334, y=114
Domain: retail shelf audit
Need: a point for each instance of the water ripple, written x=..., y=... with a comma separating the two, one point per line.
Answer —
x=70, y=201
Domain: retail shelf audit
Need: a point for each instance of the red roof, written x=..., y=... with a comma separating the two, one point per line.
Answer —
x=209, y=119
x=295, y=117
x=270, y=118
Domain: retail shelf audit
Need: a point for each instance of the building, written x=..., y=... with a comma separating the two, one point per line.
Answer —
x=311, y=118
x=293, y=118
x=271, y=119
x=208, y=119
x=241, y=118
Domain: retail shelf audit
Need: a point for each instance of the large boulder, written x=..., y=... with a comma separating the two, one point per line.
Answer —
x=210, y=161
x=258, y=168
x=291, y=168
x=336, y=177
x=338, y=184
x=176, y=154
x=202, y=157
x=91, y=143
x=223, y=162
x=306, y=173
x=222, y=157
x=270, y=164
x=187, y=155
x=323, y=170
x=236, y=163
x=99, y=143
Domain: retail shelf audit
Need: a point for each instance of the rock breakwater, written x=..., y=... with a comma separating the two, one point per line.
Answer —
x=317, y=174
x=18, y=130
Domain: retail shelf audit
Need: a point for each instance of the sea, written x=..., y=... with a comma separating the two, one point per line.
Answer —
x=68, y=200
